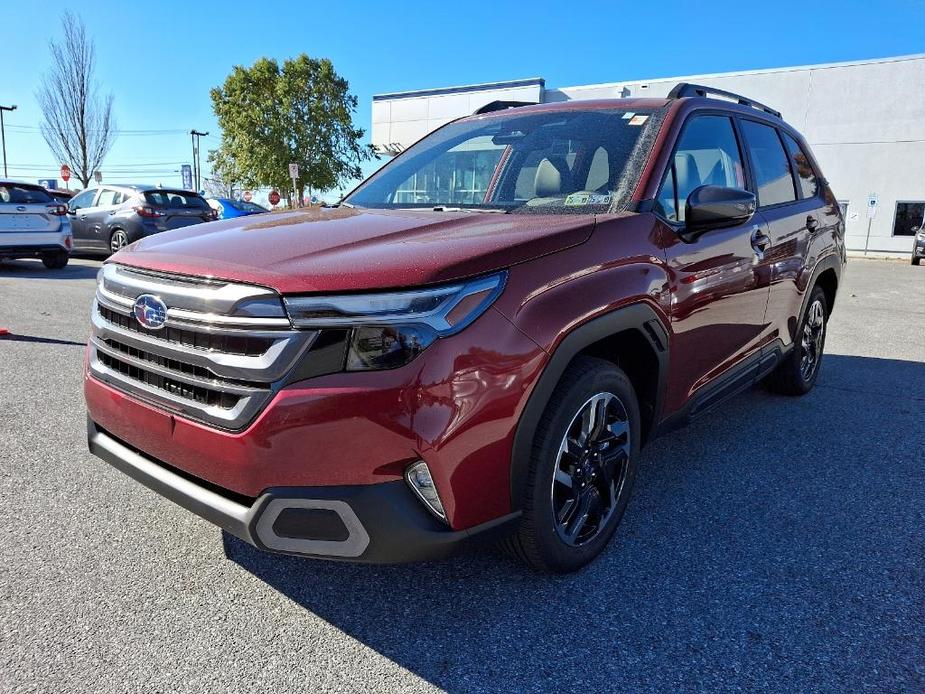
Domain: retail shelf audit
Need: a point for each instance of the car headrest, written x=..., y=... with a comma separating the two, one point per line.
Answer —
x=551, y=177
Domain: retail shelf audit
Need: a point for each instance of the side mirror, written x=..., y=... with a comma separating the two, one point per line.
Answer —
x=72, y=210
x=715, y=207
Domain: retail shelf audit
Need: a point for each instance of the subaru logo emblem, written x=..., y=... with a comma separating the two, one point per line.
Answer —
x=150, y=311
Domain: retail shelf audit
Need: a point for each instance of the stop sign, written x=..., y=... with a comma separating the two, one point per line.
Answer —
x=65, y=173
x=247, y=196
x=273, y=197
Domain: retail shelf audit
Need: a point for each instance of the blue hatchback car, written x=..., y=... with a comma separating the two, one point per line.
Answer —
x=228, y=209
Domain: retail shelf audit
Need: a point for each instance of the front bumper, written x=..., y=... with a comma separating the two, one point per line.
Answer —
x=375, y=523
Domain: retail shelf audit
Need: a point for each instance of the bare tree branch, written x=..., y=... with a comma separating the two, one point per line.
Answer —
x=79, y=127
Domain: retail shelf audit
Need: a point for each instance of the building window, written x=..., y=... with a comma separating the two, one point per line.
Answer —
x=909, y=217
x=461, y=176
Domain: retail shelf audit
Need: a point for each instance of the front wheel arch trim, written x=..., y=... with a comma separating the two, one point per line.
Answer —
x=639, y=317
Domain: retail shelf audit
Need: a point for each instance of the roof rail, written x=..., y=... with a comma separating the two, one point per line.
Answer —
x=683, y=89
x=501, y=105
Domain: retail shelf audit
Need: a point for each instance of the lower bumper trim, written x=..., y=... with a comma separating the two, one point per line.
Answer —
x=385, y=523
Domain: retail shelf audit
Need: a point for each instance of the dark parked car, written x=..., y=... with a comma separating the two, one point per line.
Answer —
x=480, y=339
x=106, y=219
x=62, y=196
x=918, y=246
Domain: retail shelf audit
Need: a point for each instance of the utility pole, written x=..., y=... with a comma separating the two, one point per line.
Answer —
x=194, y=138
x=3, y=135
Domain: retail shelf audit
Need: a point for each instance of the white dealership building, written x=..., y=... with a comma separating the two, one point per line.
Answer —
x=864, y=120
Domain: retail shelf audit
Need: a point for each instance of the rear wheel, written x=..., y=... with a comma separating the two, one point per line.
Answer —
x=55, y=261
x=916, y=260
x=582, y=468
x=797, y=373
x=118, y=240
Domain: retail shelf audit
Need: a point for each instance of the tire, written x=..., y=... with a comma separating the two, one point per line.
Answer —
x=797, y=373
x=548, y=538
x=55, y=261
x=915, y=260
x=117, y=240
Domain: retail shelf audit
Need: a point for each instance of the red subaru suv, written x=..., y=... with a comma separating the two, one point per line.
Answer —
x=478, y=341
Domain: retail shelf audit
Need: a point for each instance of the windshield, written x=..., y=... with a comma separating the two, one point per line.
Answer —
x=557, y=161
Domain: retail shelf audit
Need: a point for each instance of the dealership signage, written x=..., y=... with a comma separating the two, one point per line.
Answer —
x=872, y=201
x=186, y=173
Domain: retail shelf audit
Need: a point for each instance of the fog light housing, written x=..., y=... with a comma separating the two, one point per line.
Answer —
x=422, y=484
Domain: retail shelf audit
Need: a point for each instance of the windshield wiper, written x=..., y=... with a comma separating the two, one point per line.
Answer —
x=445, y=208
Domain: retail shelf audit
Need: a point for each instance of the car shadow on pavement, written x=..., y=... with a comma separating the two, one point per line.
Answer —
x=22, y=269
x=775, y=543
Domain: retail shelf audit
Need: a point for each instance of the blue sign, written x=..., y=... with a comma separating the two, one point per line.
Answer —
x=50, y=183
x=186, y=171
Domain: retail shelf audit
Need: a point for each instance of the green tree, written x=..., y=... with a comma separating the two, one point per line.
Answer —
x=301, y=112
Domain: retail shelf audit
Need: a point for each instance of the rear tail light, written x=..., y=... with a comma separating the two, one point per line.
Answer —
x=57, y=210
x=148, y=211
x=68, y=242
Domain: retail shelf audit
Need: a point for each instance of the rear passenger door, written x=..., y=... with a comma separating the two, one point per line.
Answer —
x=719, y=291
x=789, y=201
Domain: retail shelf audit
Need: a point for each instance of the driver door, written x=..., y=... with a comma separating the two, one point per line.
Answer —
x=80, y=208
x=718, y=280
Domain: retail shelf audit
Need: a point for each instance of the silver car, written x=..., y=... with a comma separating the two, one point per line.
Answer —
x=33, y=225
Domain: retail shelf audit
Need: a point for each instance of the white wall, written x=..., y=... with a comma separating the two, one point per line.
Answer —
x=405, y=119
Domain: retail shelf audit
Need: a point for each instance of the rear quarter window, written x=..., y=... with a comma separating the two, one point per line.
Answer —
x=16, y=194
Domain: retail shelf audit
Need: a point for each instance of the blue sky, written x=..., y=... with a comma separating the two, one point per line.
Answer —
x=161, y=58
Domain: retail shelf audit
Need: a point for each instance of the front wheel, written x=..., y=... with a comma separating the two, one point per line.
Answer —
x=117, y=241
x=916, y=260
x=581, y=470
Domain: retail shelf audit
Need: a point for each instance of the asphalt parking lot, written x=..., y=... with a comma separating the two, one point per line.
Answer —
x=776, y=545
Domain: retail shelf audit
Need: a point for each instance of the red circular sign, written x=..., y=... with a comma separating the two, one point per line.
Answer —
x=247, y=196
x=274, y=197
x=65, y=173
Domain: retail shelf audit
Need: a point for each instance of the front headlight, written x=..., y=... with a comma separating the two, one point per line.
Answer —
x=389, y=329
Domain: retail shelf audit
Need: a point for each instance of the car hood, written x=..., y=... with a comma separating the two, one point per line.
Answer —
x=343, y=249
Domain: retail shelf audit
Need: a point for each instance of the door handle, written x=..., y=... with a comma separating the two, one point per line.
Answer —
x=760, y=242
x=812, y=223
x=83, y=216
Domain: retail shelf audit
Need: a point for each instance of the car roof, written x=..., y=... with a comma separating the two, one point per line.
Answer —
x=577, y=105
x=632, y=104
x=17, y=182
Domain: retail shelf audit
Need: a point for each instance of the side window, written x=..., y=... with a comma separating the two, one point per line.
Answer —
x=707, y=154
x=771, y=164
x=84, y=199
x=809, y=183
x=107, y=198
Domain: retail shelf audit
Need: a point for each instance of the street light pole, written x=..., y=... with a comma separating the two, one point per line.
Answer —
x=3, y=135
x=194, y=138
